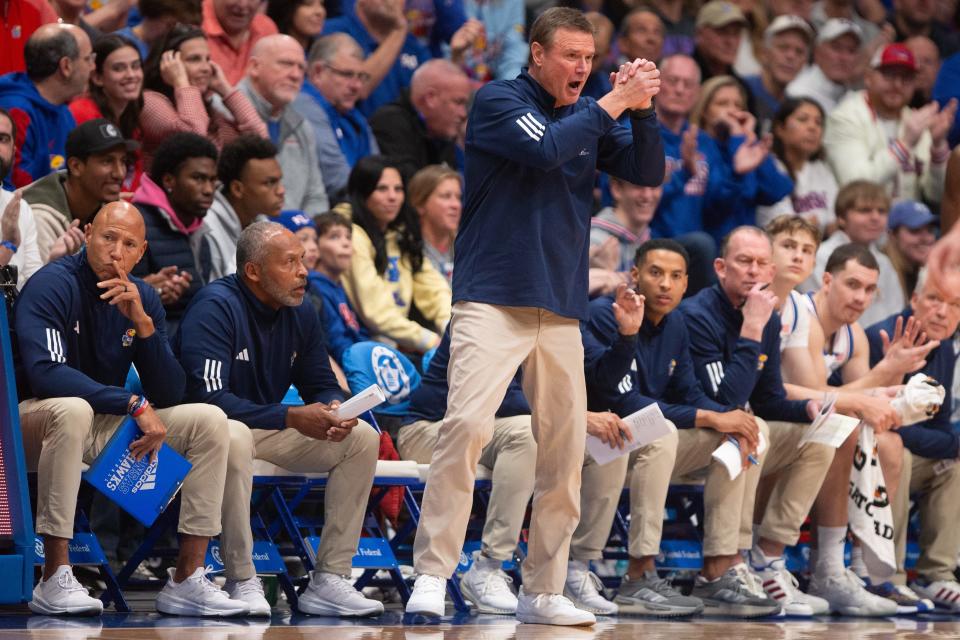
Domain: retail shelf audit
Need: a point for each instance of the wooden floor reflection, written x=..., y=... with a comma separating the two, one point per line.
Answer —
x=492, y=628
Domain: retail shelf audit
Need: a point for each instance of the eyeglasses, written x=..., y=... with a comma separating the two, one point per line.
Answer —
x=362, y=76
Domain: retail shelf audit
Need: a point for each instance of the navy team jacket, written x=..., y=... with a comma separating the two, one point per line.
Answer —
x=934, y=438
x=429, y=400
x=625, y=374
x=734, y=370
x=529, y=175
x=241, y=355
x=70, y=343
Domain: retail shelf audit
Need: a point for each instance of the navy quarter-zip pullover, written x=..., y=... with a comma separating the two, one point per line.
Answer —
x=627, y=373
x=242, y=356
x=735, y=370
x=70, y=343
x=529, y=176
x=935, y=437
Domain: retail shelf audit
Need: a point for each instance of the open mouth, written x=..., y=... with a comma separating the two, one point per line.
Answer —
x=575, y=85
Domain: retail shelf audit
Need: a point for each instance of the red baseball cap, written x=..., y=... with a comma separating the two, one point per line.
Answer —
x=894, y=55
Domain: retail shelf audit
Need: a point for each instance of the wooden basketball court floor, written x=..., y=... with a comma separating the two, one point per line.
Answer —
x=149, y=626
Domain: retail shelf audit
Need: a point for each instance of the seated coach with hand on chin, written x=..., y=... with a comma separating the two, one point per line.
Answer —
x=80, y=323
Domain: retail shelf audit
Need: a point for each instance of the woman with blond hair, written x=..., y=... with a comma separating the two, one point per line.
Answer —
x=436, y=193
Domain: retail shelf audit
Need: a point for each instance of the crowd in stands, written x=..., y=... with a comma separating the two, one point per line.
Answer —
x=192, y=171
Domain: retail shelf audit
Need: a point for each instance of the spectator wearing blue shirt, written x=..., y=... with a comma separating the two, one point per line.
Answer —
x=931, y=448
x=341, y=327
x=335, y=79
x=744, y=159
x=373, y=25
x=630, y=367
x=519, y=290
x=786, y=43
x=735, y=344
x=245, y=339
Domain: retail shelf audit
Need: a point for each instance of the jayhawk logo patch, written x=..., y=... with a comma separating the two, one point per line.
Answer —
x=761, y=361
x=128, y=337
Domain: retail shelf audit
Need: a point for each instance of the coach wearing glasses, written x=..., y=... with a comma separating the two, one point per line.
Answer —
x=335, y=82
x=421, y=126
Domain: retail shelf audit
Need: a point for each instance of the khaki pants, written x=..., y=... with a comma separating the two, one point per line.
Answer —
x=801, y=472
x=60, y=433
x=600, y=490
x=510, y=455
x=939, y=516
x=351, y=464
x=670, y=458
x=488, y=343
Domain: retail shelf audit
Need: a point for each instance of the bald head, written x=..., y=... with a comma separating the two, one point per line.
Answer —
x=440, y=91
x=116, y=239
x=276, y=69
x=59, y=56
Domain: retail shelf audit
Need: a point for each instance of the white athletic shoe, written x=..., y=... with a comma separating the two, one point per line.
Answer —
x=488, y=587
x=782, y=586
x=61, y=594
x=583, y=588
x=331, y=595
x=197, y=596
x=428, y=597
x=847, y=595
x=944, y=593
x=551, y=608
x=251, y=592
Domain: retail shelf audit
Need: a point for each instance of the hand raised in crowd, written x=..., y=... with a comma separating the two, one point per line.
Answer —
x=741, y=123
x=736, y=423
x=173, y=71
x=606, y=255
x=154, y=433
x=10, y=223
x=609, y=428
x=218, y=80
x=68, y=243
x=318, y=421
x=916, y=122
x=751, y=154
x=688, y=149
x=628, y=310
x=465, y=37
x=758, y=307
x=125, y=296
x=906, y=351
x=941, y=122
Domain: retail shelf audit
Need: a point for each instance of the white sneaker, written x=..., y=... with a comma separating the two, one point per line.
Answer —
x=197, y=596
x=944, y=593
x=331, y=595
x=61, y=594
x=551, y=608
x=488, y=587
x=782, y=586
x=847, y=595
x=583, y=587
x=251, y=592
x=428, y=597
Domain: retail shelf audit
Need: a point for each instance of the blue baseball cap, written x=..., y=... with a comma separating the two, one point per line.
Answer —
x=294, y=219
x=910, y=214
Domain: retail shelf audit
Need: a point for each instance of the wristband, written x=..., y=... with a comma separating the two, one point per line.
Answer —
x=9, y=245
x=137, y=407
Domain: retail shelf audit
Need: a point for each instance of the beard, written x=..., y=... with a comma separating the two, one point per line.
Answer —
x=5, y=167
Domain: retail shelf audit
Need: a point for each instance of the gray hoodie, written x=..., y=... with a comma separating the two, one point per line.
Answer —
x=298, y=156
